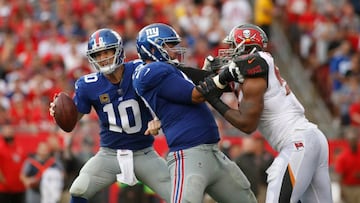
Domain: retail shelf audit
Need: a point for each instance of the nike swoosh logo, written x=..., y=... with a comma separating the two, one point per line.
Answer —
x=250, y=60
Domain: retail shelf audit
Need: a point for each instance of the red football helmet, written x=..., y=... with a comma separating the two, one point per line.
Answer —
x=244, y=39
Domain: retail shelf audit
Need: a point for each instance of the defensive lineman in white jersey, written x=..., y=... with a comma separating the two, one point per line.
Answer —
x=283, y=113
x=300, y=172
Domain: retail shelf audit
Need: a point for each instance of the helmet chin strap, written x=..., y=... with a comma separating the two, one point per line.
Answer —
x=149, y=54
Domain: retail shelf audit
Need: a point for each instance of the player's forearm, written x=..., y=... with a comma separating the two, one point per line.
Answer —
x=239, y=121
x=246, y=117
x=234, y=116
x=197, y=97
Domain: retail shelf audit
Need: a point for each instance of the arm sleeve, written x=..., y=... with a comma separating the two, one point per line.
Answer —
x=196, y=75
x=82, y=104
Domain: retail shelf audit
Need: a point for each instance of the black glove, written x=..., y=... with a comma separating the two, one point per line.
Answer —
x=231, y=73
x=208, y=89
x=212, y=94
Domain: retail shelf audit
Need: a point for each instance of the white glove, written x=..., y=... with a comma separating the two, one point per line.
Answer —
x=235, y=72
x=212, y=64
x=231, y=73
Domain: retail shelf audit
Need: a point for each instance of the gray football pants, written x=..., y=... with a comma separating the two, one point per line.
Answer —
x=205, y=169
x=100, y=172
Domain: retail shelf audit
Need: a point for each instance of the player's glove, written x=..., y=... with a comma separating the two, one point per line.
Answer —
x=213, y=64
x=212, y=94
x=235, y=72
x=208, y=89
x=230, y=73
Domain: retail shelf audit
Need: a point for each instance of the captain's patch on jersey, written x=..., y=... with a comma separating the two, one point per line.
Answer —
x=104, y=98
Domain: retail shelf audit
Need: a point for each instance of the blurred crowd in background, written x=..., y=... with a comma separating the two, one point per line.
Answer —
x=43, y=45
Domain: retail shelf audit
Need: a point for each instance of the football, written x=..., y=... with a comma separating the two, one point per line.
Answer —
x=65, y=112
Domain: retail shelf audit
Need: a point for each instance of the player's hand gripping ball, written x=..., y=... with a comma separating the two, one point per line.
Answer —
x=65, y=112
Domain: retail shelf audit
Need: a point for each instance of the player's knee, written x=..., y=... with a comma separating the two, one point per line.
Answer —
x=80, y=186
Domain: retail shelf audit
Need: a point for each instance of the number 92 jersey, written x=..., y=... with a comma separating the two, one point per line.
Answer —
x=123, y=115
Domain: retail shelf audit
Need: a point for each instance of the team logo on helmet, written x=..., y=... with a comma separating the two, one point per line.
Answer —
x=248, y=37
x=98, y=43
x=152, y=32
x=246, y=33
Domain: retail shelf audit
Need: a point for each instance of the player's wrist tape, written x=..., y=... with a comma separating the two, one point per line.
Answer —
x=217, y=82
x=219, y=105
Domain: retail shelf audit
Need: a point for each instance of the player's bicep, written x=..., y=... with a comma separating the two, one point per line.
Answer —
x=82, y=103
x=252, y=103
x=149, y=77
x=176, y=89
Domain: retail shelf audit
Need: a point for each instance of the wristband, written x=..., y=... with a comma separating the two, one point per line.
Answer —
x=219, y=105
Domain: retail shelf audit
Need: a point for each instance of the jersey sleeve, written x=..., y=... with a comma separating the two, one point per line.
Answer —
x=198, y=75
x=177, y=89
x=81, y=99
x=252, y=66
x=147, y=77
x=163, y=80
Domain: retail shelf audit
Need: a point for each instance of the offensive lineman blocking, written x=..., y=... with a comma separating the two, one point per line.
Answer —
x=195, y=162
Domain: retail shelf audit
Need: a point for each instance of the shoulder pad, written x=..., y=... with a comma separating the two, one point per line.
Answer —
x=134, y=63
x=150, y=75
x=137, y=62
x=252, y=65
x=87, y=80
x=155, y=70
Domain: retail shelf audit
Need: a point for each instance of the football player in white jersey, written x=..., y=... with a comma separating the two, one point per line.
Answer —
x=300, y=172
